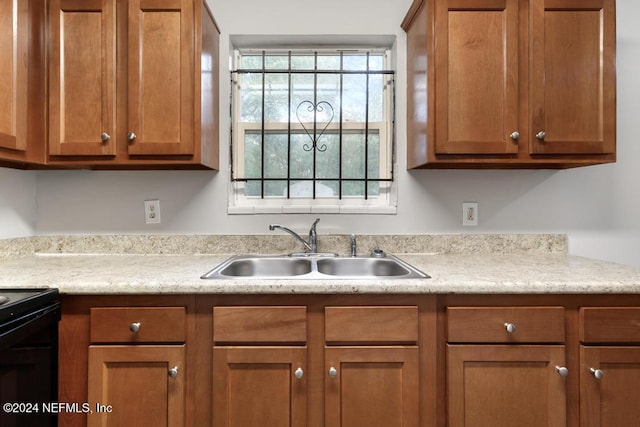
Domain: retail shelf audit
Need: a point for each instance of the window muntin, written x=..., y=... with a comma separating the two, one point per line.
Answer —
x=312, y=127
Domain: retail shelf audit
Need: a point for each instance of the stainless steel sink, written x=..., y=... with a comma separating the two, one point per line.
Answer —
x=314, y=267
x=375, y=267
x=266, y=267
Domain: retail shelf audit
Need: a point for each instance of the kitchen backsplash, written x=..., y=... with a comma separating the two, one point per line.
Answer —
x=282, y=244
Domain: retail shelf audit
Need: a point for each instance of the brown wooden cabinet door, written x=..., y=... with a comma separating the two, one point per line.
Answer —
x=573, y=77
x=611, y=400
x=13, y=74
x=476, y=76
x=136, y=382
x=161, y=77
x=82, y=78
x=259, y=386
x=371, y=386
x=505, y=385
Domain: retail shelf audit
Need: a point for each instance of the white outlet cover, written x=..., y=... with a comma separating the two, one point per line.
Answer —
x=152, y=211
x=470, y=214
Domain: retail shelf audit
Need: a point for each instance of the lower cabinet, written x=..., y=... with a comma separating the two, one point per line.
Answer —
x=503, y=363
x=351, y=360
x=123, y=361
x=366, y=362
x=133, y=380
x=141, y=385
x=371, y=386
x=506, y=385
x=259, y=386
x=259, y=366
x=371, y=366
x=609, y=366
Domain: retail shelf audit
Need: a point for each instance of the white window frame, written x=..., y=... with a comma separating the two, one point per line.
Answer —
x=385, y=202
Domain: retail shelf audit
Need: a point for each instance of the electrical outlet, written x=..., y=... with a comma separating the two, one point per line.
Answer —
x=470, y=214
x=152, y=211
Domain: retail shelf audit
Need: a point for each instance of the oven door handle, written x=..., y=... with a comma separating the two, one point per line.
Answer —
x=18, y=329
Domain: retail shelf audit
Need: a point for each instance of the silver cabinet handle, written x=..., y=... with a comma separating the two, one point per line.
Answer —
x=510, y=327
x=135, y=327
x=173, y=372
x=562, y=371
x=597, y=373
x=333, y=372
x=541, y=135
x=131, y=136
x=515, y=135
x=299, y=373
x=105, y=137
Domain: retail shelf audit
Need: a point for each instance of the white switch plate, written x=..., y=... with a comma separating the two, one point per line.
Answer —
x=470, y=214
x=152, y=211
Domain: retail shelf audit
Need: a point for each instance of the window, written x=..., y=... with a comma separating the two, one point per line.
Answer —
x=312, y=132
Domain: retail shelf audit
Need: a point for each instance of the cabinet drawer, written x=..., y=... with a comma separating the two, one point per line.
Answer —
x=371, y=324
x=138, y=324
x=505, y=324
x=260, y=324
x=610, y=325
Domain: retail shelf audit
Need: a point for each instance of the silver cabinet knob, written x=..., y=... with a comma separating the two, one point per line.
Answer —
x=597, y=373
x=131, y=136
x=515, y=135
x=299, y=373
x=333, y=372
x=134, y=327
x=173, y=372
x=541, y=135
x=510, y=327
x=562, y=371
x=105, y=137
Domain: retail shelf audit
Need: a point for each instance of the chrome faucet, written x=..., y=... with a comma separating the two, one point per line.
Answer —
x=311, y=245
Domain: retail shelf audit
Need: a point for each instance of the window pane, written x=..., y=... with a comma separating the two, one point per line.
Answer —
x=353, y=188
x=275, y=188
x=250, y=97
x=301, y=156
x=354, y=97
x=276, y=62
x=251, y=62
x=252, y=155
x=328, y=62
x=302, y=86
x=328, y=161
x=302, y=62
x=353, y=163
x=355, y=62
x=276, y=98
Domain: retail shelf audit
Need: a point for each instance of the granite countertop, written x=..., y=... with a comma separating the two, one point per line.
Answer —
x=483, y=264
x=450, y=273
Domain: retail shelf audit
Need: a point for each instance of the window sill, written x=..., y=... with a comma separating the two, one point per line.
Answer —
x=319, y=209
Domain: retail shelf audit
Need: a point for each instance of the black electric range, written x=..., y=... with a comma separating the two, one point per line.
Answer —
x=28, y=356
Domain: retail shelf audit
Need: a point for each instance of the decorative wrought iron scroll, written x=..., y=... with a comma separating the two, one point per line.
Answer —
x=310, y=113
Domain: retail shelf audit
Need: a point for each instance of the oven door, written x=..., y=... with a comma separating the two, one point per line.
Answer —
x=28, y=368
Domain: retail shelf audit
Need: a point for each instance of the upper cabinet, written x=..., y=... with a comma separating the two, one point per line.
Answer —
x=133, y=84
x=22, y=82
x=510, y=83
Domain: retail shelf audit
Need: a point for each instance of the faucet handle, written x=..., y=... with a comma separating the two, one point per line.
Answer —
x=354, y=245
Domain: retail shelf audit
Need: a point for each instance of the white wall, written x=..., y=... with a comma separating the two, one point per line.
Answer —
x=17, y=203
x=597, y=206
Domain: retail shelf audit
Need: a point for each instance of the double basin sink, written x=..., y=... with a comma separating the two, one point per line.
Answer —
x=314, y=266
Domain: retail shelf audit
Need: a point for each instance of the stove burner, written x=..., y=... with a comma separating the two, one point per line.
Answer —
x=3, y=299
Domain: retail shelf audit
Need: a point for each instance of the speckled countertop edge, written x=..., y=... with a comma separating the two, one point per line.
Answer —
x=180, y=274
x=465, y=264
